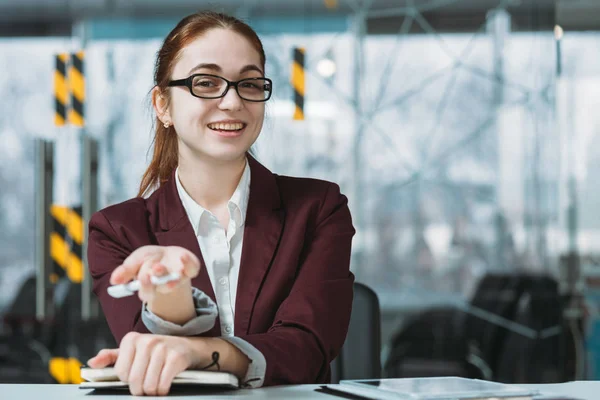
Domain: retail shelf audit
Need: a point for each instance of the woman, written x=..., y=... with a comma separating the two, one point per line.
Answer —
x=263, y=259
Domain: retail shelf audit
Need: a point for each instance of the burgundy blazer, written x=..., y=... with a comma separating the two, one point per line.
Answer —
x=294, y=294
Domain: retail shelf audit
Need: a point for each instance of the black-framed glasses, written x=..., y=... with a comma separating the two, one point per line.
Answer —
x=206, y=86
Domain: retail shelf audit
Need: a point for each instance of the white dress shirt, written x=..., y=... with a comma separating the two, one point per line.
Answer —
x=222, y=251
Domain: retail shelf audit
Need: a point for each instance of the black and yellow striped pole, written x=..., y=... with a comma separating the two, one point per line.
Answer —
x=61, y=90
x=66, y=236
x=66, y=242
x=77, y=89
x=298, y=83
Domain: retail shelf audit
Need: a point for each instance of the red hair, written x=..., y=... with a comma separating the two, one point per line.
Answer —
x=165, y=156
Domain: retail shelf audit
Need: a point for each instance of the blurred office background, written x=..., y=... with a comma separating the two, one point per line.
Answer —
x=465, y=134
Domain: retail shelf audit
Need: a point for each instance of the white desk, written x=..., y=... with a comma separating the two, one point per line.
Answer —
x=586, y=390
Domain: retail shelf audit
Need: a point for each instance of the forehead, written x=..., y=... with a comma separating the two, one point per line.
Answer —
x=224, y=47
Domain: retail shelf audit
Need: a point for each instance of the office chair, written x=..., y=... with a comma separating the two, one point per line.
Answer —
x=360, y=357
x=24, y=353
x=447, y=341
x=431, y=343
x=524, y=359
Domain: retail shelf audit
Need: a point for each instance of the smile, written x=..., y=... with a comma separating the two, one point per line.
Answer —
x=229, y=127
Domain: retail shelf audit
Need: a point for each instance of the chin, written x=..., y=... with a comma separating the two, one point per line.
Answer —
x=226, y=155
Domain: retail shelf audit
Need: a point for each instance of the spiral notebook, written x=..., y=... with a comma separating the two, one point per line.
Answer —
x=106, y=378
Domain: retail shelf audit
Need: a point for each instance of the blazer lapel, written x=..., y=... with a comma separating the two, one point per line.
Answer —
x=176, y=230
x=263, y=228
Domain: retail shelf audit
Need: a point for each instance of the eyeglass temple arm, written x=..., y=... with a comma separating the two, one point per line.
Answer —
x=178, y=82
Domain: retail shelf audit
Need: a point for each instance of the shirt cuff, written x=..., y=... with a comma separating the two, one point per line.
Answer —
x=206, y=314
x=255, y=376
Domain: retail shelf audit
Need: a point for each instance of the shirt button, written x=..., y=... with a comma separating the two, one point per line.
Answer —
x=228, y=329
x=223, y=281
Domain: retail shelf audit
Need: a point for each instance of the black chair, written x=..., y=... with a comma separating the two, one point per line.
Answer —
x=360, y=357
x=448, y=341
x=24, y=353
x=431, y=343
x=524, y=359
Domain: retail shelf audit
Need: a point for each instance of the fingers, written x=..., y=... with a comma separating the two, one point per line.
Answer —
x=148, y=363
x=127, y=351
x=174, y=364
x=132, y=264
x=104, y=358
x=174, y=285
x=191, y=265
x=157, y=361
x=159, y=270
x=147, y=289
x=175, y=259
x=137, y=374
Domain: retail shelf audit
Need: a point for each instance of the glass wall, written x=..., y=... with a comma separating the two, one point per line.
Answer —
x=461, y=149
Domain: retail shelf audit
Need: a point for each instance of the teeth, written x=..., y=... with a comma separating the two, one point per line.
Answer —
x=226, y=127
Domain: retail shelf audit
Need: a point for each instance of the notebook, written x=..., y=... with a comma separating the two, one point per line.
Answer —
x=106, y=378
x=435, y=388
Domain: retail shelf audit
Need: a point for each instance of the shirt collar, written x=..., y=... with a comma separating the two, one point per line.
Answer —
x=237, y=205
x=239, y=199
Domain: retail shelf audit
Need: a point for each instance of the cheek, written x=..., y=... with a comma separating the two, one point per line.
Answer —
x=259, y=114
x=185, y=108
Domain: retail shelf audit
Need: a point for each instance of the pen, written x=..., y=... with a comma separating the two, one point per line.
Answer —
x=127, y=289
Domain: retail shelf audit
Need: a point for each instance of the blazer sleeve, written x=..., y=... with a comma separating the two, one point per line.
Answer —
x=107, y=249
x=311, y=324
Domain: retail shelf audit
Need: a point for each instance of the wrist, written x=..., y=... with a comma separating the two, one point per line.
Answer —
x=180, y=292
x=176, y=306
x=200, y=351
x=231, y=359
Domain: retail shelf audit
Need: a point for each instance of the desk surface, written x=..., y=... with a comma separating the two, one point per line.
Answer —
x=585, y=390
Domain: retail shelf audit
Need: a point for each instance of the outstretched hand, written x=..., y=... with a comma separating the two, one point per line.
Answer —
x=158, y=261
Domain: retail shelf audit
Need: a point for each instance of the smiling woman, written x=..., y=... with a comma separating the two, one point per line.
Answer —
x=262, y=260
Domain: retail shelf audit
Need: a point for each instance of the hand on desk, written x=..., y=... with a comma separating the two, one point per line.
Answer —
x=148, y=363
x=157, y=261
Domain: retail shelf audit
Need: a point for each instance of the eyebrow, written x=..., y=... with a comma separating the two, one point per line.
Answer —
x=216, y=68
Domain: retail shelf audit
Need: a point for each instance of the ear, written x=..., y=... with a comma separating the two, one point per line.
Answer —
x=161, y=105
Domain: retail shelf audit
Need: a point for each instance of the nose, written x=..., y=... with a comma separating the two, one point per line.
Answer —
x=231, y=101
